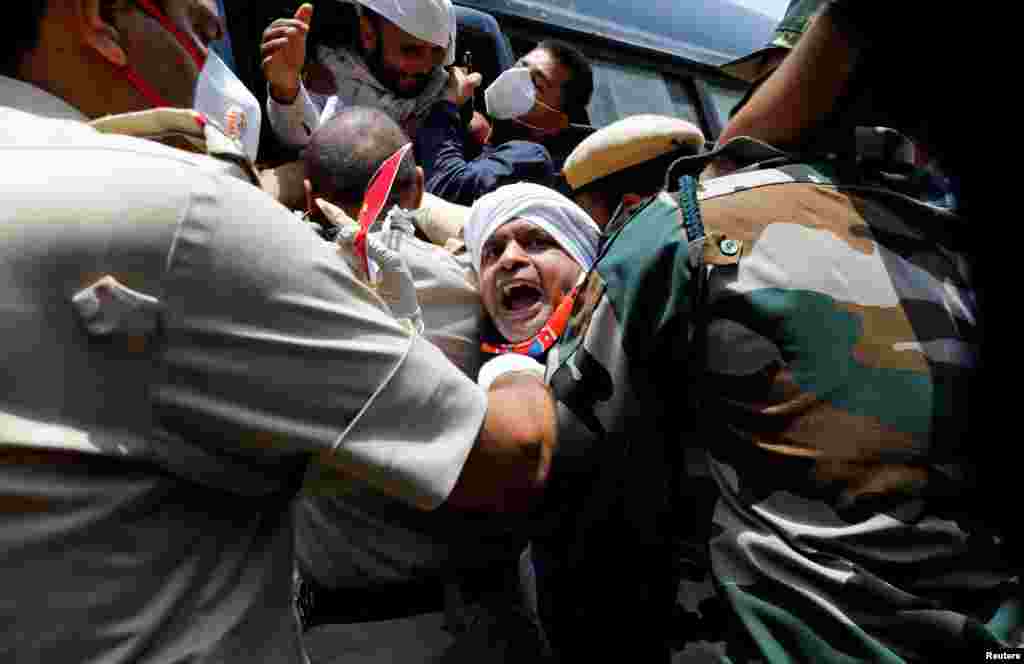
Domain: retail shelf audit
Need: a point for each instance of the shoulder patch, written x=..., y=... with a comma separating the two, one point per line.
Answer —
x=193, y=129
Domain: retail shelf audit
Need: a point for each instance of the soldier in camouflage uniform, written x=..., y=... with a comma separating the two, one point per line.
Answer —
x=824, y=330
x=605, y=569
x=837, y=359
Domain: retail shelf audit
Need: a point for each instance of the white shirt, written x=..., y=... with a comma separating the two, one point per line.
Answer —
x=294, y=123
x=364, y=537
x=355, y=85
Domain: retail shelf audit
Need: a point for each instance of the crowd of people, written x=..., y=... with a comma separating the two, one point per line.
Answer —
x=585, y=392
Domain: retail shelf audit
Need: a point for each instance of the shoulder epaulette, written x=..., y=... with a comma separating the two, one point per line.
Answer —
x=194, y=128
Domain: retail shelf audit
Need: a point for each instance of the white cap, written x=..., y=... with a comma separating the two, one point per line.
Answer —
x=429, y=20
x=571, y=227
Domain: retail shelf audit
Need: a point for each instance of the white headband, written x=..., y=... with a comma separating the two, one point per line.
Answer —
x=429, y=20
x=559, y=217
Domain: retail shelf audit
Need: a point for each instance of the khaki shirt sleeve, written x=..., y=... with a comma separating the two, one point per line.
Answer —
x=273, y=348
x=450, y=302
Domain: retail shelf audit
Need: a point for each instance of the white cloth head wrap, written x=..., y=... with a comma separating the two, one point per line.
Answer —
x=429, y=20
x=559, y=217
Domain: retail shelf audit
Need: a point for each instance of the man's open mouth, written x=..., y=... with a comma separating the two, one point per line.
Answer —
x=520, y=296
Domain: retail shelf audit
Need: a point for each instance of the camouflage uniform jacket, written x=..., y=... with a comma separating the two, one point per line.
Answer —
x=827, y=366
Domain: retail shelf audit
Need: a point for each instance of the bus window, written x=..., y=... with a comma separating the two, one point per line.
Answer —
x=682, y=100
x=624, y=90
x=724, y=99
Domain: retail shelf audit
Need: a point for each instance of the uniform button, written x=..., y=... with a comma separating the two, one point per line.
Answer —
x=729, y=247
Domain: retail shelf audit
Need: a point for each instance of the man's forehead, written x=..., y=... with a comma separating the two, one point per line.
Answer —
x=544, y=61
x=517, y=228
x=392, y=31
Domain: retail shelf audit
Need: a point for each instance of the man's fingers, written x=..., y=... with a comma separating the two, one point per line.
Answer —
x=288, y=23
x=380, y=252
x=474, y=80
x=304, y=13
x=285, y=32
x=269, y=48
x=336, y=215
x=285, y=23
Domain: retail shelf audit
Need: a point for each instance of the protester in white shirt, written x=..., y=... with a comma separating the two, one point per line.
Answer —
x=396, y=64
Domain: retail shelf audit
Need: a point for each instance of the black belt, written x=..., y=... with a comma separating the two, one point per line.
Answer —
x=321, y=605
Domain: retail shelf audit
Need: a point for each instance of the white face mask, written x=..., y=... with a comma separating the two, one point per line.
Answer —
x=511, y=95
x=223, y=98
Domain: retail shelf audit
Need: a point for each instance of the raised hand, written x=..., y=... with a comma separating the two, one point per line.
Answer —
x=284, y=53
x=461, y=85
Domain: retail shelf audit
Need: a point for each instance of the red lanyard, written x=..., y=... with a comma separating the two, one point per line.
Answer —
x=184, y=39
x=147, y=90
x=541, y=342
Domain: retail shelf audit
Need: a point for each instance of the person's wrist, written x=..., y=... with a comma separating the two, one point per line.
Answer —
x=284, y=95
x=455, y=98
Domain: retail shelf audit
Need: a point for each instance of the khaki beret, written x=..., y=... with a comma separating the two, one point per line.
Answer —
x=798, y=17
x=626, y=143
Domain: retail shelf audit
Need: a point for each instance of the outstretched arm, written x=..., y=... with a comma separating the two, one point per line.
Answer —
x=509, y=465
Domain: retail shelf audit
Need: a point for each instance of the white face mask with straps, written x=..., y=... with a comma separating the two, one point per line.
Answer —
x=511, y=95
x=223, y=98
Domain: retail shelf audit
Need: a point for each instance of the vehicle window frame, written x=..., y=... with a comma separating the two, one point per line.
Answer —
x=695, y=78
x=720, y=116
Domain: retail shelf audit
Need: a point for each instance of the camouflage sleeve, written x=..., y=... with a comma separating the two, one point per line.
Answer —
x=648, y=278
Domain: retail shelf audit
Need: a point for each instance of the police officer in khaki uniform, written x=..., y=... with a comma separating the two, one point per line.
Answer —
x=178, y=349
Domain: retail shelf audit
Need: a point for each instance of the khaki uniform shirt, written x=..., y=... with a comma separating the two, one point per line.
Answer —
x=148, y=473
x=365, y=537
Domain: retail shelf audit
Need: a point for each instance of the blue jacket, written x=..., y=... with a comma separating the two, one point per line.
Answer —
x=456, y=176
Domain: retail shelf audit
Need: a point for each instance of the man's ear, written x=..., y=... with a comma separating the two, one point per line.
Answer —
x=367, y=33
x=420, y=187
x=98, y=31
x=312, y=209
x=594, y=205
x=412, y=196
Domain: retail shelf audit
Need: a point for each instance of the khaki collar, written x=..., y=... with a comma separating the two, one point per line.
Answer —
x=31, y=99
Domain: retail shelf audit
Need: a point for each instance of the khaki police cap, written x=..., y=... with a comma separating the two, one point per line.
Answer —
x=626, y=143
